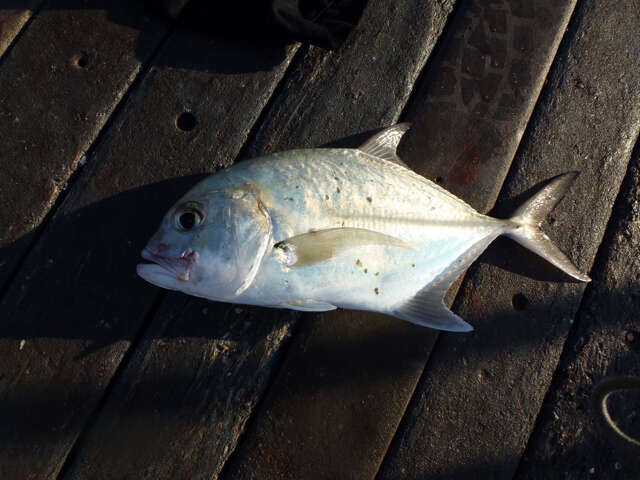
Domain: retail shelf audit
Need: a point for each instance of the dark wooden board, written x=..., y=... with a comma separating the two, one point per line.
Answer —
x=14, y=16
x=344, y=386
x=76, y=305
x=477, y=402
x=361, y=87
x=186, y=393
x=59, y=84
x=212, y=409
x=569, y=438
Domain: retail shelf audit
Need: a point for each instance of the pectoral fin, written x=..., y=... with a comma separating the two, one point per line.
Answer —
x=313, y=247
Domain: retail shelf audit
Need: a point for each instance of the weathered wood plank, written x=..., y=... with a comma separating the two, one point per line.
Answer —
x=208, y=421
x=348, y=377
x=478, y=399
x=568, y=440
x=76, y=304
x=58, y=86
x=363, y=86
x=186, y=393
x=12, y=18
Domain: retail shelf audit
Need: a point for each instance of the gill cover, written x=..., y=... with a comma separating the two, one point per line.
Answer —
x=239, y=236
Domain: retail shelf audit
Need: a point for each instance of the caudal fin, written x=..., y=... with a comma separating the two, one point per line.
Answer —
x=528, y=218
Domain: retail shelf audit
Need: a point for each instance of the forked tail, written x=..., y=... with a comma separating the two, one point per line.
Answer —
x=528, y=218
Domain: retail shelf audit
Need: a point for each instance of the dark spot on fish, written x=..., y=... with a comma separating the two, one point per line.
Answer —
x=369, y=199
x=297, y=186
x=413, y=265
x=433, y=208
x=365, y=270
x=336, y=178
x=342, y=223
x=376, y=290
x=377, y=273
x=282, y=246
x=326, y=197
x=338, y=189
x=358, y=262
x=290, y=199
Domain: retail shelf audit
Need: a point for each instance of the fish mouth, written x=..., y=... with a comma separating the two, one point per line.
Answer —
x=179, y=267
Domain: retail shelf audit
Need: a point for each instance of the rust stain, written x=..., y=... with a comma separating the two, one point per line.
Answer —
x=469, y=161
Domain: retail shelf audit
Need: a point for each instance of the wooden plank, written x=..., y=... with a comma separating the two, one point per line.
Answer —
x=363, y=86
x=186, y=393
x=348, y=377
x=478, y=399
x=76, y=305
x=13, y=19
x=200, y=424
x=604, y=343
x=58, y=86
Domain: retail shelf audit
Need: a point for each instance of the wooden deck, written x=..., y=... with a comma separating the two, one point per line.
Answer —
x=105, y=376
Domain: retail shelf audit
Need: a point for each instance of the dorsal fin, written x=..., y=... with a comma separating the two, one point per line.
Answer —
x=384, y=143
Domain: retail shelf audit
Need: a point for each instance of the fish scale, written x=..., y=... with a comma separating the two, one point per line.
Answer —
x=317, y=229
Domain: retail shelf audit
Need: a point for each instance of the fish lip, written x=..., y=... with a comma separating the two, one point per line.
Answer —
x=179, y=266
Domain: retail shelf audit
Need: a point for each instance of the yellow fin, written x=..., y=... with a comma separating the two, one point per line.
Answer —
x=313, y=247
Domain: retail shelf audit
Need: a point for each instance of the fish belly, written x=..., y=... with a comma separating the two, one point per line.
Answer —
x=371, y=277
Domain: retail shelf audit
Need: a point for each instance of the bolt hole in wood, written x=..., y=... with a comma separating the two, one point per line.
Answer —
x=81, y=60
x=519, y=302
x=186, y=121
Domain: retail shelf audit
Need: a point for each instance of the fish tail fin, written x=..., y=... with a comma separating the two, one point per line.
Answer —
x=526, y=220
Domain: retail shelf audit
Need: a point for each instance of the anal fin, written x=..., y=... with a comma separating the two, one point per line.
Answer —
x=427, y=308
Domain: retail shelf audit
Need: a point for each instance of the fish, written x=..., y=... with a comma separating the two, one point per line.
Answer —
x=324, y=228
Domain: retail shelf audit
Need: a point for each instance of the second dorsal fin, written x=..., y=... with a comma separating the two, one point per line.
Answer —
x=384, y=143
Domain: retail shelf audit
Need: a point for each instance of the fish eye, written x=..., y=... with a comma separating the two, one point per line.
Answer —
x=189, y=217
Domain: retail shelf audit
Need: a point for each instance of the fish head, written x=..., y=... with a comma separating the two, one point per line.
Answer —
x=209, y=244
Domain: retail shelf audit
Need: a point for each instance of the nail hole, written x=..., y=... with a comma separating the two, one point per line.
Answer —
x=81, y=60
x=439, y=180
x=186, y=121
x=519, y=302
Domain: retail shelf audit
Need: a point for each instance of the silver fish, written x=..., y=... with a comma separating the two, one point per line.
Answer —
x=317, y=229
